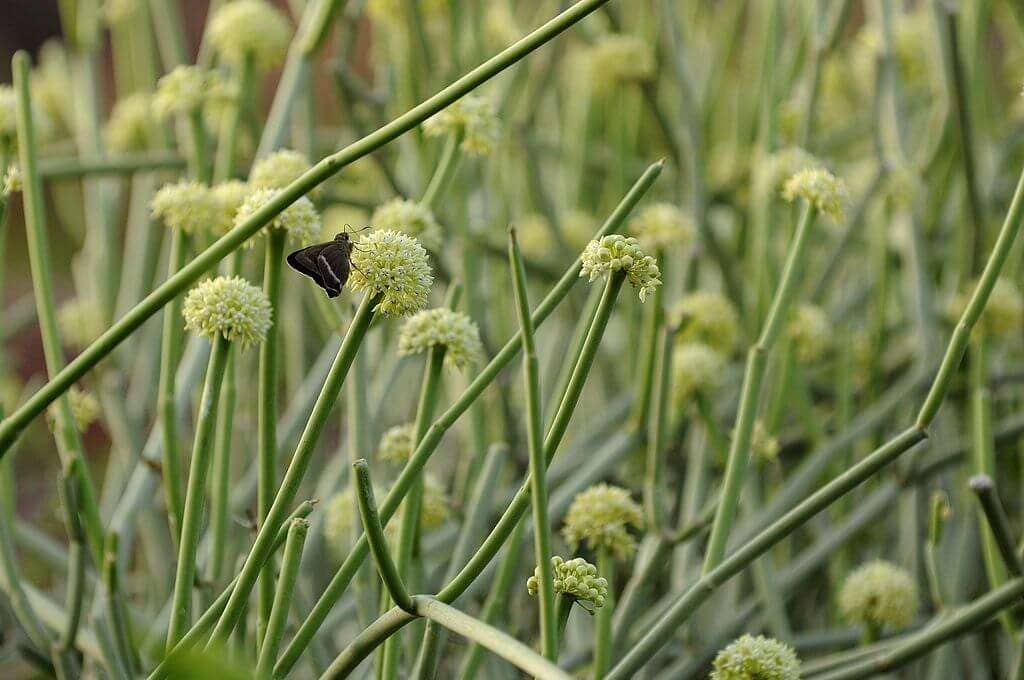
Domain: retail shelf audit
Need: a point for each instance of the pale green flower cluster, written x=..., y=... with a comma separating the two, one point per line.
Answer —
x=454, y=330
x=811, y=333
x=619, y=58
x=80, y=322
x=300, y=219
x=279, y=169
x=13, y=181
x=396, y=443
x=819, y=188
x=435, y=505
x=230, y=196
x=184, y=90
x=763, y=445
x=614, y=253
x=601, y=517
x=706, y=317
x=785, y=163
x=409, y=217
x=394, y=266
x=132, y=123
x=8, y=113
x=253, y=29
x=879, y=594
x=575, y=578
x=85, y=408
x=661, y=226
x=230, y=307
x=472, y=117
x=189, y=206
x=696, y=368
x=756, y=658
x=1003, y=314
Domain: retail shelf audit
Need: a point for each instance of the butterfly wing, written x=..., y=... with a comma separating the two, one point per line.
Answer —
x=334, y=267
x=326, y=263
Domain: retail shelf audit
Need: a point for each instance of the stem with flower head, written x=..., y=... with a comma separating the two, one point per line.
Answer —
x=538, y=462
x=327, y=167
x=339, y=583
x=266, y=449
x=445, y=169
x=296, y=469
x=202, y=451
x=657, y=423
x=739, y=449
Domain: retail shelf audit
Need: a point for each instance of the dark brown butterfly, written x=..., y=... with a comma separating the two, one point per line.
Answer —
x=326, y=263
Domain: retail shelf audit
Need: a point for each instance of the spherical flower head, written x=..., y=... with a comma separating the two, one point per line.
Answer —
x=619, y=58
x=230, y=307
x=85, y=408
x=535, y=236
x=300, y=219
x=576, y=579
x=279, y=169
x=435, y=504
x=819, y=188
x=763, y=445
x=454, y=330
x=614, y=253
x=185, y=90
x=80, y=322
x=230, y=196
x=472, y=117
x=696, y=368
x=9, y=118
x=394, y=266
x=661, y=226
x=396, y=444
x=811, y=333
x=785, y=163
x=51, y=83
x=250, y=28
x=756, y=658
x=879, y=594
x=706, y=317
x=601, y=516
x=189, y=206
x=1003, y=313
x=409, y=217
x=131, y=124
x=13, y=180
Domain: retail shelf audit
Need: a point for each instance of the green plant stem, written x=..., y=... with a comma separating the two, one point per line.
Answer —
x=327, y=167
x=59, y=168
x=739, y=449
x=386, y=567
x=282, y=600
x=117, y=614
x=266, y=449
x=962, y=333
x=69, y=441
x=209, y=618
x=445, y=170
x=220, y=486
x=998, y=524
x=454, y=620
x=949, y=626
x=425, y=448
x=170, y=353
x=603, y=623
x=538, y=459
x=686, y=603
x=409, y=524
x=289, y=486
x=497, y=599
x=224, y=164
x=657, y=424
x=202, y=452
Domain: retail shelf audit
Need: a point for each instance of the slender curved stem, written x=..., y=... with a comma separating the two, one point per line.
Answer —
x=282, y=600
x=375, y=535
x=538, y=459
